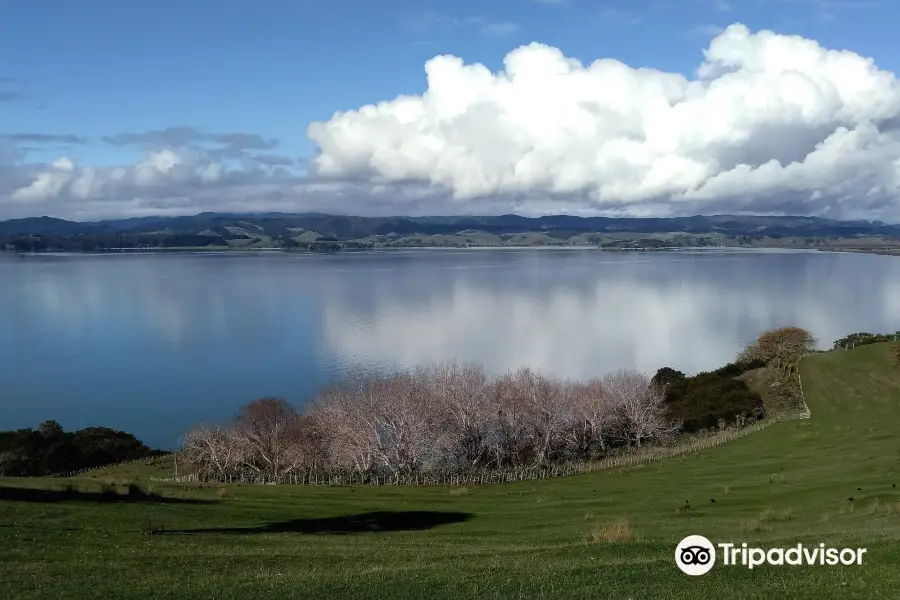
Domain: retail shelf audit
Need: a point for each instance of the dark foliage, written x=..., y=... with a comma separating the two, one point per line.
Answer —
x=49, y=450
x=705, y=400
x=862, y=338
x=666, y=376
x=97, y=243
x=736, y=369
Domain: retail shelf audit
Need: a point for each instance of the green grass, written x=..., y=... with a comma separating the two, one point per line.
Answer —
x=609, y=534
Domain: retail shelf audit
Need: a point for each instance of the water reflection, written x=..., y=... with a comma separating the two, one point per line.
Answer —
x=579, y=318
x=153, y=344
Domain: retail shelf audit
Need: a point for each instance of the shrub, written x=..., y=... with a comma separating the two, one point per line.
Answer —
x=615, y=530
x=702, y=401
x=49, y=450
x=863, y=338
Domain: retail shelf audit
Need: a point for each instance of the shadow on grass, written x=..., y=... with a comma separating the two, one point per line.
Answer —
x=370, y=522
x=21, y=494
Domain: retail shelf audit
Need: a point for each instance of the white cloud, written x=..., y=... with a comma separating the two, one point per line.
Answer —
x=768, y=124
x=769, y=120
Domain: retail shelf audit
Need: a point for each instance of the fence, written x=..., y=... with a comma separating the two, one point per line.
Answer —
x=147, y=460
x=482, y=477
x=493, y=476
x=805, y=413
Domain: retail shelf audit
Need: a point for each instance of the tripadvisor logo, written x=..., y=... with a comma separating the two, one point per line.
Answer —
x=696, y=555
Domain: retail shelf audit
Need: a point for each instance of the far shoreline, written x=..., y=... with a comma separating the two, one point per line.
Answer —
x=889, y=251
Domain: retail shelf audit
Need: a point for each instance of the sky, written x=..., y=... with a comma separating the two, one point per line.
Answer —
x=112, y=109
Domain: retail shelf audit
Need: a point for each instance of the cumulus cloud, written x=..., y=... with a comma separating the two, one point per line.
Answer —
x=767, y=123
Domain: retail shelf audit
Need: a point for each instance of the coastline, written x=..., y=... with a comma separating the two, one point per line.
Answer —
x=886, y=250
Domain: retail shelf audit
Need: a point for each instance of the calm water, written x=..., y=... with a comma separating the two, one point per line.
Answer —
x=154, y=343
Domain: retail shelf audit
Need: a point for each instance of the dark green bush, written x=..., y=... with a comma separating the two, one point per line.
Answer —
x=51, y=451
x=702, y=401
x=863, y=338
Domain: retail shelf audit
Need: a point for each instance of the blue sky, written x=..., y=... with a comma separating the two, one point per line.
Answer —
x=100, y=68
x=103, y=67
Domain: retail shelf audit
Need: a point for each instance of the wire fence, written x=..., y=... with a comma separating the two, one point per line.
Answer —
x=484, y=476
x=145, y=461
x=697, y=443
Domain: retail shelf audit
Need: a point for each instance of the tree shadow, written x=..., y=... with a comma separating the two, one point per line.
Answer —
x=22, y=494
x=370, y=522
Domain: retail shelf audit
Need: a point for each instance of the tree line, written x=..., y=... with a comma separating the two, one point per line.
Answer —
x=453, y=418
x=446, y=417
x=863, y=338
x=50, y=450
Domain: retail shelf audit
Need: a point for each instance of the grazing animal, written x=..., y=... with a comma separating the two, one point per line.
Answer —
x=893, y=485
x=713, y=500
x=858, y=489
x=850, y=499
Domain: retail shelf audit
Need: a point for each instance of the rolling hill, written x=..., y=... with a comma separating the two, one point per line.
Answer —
x=279, y=225
x=829, y=479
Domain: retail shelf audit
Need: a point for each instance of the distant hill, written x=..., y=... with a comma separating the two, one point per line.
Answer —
x=313, y=232
x=345, y=228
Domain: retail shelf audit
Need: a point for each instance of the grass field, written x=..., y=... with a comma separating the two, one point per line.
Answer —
x=610, y=534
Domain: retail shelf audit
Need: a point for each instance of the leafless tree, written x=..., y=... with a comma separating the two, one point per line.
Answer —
x=310, y=443
x=511, y=442
x=348, y=412
x=269, y=428
x=547, y=405
x=460, y=397
x=595, y=419
x=447, y=416
x=408, y=438
x=641, y=407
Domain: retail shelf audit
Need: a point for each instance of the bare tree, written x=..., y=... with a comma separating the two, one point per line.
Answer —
x=269, y=428
x=447, y=416
x=348, y=412
x=547, y=405
x=641, y=406
x=212, y=449
x=311, y=442
x=511, y=442
x=595, y=419
x=408, y=439
x=460, y=397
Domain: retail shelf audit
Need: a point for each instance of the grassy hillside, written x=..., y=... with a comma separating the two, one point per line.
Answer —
x=609, y=534
x=221, y=231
